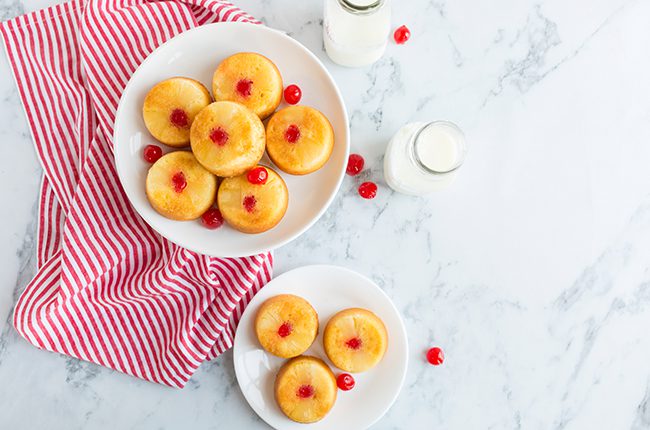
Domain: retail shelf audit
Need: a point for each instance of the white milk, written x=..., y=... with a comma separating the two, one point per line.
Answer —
x=355, y=32
x=424, y=157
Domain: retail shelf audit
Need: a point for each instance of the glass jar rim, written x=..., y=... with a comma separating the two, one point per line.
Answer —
x=351, y=7
x=414, y=147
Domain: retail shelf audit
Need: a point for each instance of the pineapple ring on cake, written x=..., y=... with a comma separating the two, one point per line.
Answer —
x=305, y=389
x=250, y=79
x=170, y=107
x=253, y=208
x=355, y=340
x=227, y=138
x=286, y=325
x=178, y=187
x=299, y=139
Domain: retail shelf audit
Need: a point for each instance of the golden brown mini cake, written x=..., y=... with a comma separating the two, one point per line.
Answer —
x=178, y=187
x=227, y=138
x=305, y=389
x=250, y=79
x=286, y=325
x=299, y=139
x=253, y=207
x=355, y=340
x=170, y=107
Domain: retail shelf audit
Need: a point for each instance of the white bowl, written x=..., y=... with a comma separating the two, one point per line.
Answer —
x=196, y=54
x=329, y=289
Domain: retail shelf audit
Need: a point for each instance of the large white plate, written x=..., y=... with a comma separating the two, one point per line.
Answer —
x=196, y=54
x=329, y=289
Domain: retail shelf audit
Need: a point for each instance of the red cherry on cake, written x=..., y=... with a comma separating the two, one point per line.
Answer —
x=249, y=203
x=212, y=218
x=152, y=153
x=219, y=136
x=402, y=34
x=292, y=94
x=305, y=391
x=179, y=182
x=345, y=381
x=368, y=190
x=292, y=134
x=355, y=164
x=258, y=175
x=285, y=329
x=179, y=118
x=435, y=356
x=244, y=87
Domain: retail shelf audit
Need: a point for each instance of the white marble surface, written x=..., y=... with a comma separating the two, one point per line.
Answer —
x=532, y=272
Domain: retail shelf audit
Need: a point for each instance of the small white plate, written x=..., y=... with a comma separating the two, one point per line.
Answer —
x=329, y=289
x=196, y=54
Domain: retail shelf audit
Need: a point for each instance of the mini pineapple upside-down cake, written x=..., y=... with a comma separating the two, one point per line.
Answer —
x=170, y=108
x=286, y=325
x=305, y=389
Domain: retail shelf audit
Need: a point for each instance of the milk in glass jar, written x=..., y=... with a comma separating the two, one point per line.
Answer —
x=355, y=32
x=424, y=157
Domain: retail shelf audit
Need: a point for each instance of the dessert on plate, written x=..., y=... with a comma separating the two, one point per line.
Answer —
x=227, y=138
x=305, y=389
x=299, y=139
x=355, y=340
x=250, y=79
x=253, y=202
x=178, y=187
x=170, y=108
x=286, y=325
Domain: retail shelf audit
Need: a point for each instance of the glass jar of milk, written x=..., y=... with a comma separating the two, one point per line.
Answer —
x=424, y=157
x=355, y=32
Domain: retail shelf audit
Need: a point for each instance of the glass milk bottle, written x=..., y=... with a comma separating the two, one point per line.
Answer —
x=355, y=32
x=424, y=157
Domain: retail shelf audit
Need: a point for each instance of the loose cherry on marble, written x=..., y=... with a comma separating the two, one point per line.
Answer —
x=345, y=381
x=179, y=182
x=292, y=94
x=368, y=190
x=285, y=329
x=249, y=203
x=179, y=118
x=219, y=136
x=245, y=87
x=151, y=153
x=292, y=133
x=258, y=175
x=212, y=218
x=402, y=34
x=355, y=164
x=435, y=356
x=305, y=391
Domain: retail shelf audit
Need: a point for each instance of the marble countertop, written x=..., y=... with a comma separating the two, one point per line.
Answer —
x=532, y=271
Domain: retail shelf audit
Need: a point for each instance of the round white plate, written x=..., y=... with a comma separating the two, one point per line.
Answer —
x=196, y=54
x=329, y=289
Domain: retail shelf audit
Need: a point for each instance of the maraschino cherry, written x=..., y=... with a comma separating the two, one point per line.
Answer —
x=292, y=133
x=212, y=218
x=258, y=175
x=435, y=356
x=292, y=94
x=368, y=190
x=402, y=34
x=345, y=381
x=179, y=182
x=151, y=153
x=355, y=164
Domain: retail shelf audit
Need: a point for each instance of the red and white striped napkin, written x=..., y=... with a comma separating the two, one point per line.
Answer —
x=108, y=288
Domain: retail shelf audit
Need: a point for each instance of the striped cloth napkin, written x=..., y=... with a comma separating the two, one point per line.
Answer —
x=108, y=289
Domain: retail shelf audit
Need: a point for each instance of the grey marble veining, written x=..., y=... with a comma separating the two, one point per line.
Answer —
x=532, y=271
